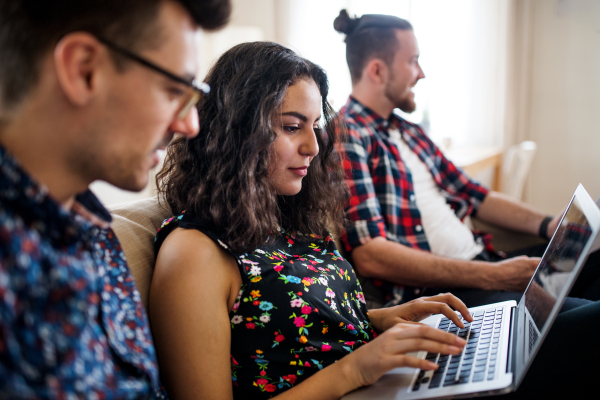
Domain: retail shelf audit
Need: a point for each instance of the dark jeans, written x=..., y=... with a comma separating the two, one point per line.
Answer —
x=567, y=364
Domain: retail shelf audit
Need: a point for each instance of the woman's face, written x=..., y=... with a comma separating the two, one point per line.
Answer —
x=296, y=143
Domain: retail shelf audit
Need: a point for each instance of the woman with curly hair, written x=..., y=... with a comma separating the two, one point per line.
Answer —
x=250, y=297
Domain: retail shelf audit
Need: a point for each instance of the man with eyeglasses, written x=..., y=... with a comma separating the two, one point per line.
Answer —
x=89, y=90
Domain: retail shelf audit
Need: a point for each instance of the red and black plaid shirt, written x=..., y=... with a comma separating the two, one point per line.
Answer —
x=381, y=197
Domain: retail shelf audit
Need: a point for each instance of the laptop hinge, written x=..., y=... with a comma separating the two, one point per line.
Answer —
x=510, y=363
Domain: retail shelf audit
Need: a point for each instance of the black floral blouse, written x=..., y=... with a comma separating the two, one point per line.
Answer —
x=300, y=309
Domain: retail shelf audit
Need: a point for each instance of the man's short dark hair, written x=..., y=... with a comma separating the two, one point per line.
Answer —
x=31, y=28
x=368, y=37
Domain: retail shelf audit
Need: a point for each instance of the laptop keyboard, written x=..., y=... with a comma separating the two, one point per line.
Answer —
x=533, y=336
x=478, y=360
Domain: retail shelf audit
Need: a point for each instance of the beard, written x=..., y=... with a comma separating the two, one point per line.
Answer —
x=404, y=103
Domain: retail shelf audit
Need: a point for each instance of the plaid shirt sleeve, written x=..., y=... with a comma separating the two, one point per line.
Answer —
x=362, y=206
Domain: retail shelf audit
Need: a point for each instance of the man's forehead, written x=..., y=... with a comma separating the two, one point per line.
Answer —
x=181, y=40
x=408, y=41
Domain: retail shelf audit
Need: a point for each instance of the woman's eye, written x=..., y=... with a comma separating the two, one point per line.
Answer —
x=291, y=128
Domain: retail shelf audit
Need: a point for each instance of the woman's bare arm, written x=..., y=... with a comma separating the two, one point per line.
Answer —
x=194, y=286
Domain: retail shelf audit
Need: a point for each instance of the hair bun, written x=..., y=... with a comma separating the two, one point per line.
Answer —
x=344, y=24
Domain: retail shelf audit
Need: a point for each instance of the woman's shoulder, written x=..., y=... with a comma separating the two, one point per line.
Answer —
x=195, y=230
x=190, y=259
x=186, y=238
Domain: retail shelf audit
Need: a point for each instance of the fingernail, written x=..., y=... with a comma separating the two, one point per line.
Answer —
x=461, y=342
x=454, y=349
x=432, y=365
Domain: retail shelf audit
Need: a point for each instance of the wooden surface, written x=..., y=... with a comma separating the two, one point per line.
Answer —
x=475, y=159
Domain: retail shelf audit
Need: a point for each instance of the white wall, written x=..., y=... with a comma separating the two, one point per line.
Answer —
x=564, y=100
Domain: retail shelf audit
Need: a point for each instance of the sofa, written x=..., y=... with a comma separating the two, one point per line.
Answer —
x=135, y=224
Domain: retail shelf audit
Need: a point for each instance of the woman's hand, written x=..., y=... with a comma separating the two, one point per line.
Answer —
x=419, y=309
x=389, y=350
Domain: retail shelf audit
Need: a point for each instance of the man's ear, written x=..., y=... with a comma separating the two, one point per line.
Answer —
x=77, y=57
x=376, y=71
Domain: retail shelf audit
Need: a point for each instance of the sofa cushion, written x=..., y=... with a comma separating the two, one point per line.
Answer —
x=135, y=224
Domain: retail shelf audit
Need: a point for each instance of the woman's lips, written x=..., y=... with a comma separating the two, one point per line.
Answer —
x=301, y=171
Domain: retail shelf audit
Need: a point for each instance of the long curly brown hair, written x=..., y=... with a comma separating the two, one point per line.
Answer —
x=221, y=175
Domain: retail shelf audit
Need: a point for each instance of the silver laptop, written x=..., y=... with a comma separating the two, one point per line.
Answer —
x=504, y=337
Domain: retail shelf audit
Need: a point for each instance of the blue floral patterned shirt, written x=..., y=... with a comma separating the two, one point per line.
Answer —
x=71, y=321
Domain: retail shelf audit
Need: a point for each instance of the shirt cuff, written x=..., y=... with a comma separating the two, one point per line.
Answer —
x=361, y=232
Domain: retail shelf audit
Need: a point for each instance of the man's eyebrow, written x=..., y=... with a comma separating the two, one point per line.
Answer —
x=299, y=116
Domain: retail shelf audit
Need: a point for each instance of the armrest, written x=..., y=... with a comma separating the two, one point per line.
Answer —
x=504, y=239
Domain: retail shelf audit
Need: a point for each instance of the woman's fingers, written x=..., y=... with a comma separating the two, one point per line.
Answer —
x=419, y=331
x=414, y=362
x=454, y=302
x=420, y=344
x=389, y=350
x=458, y=305
x=426, y=308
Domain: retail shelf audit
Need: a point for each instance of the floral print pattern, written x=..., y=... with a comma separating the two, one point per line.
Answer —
x=300, y=309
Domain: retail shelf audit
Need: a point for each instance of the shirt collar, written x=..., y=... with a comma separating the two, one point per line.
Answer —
x=375, y=120
x=32, y=202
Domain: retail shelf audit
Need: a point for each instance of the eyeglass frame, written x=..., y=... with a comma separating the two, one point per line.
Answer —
x=199, y=89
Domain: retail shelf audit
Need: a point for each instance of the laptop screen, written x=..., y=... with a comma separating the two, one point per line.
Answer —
x=556, y=265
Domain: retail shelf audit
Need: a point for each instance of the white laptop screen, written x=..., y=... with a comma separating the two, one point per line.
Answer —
x=557, y=264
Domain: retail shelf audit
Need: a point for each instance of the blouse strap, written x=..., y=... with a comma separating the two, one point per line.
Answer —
x=190, y=221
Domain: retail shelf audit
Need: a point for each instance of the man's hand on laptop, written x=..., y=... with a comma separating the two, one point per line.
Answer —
x=419, y=309
x=511, y=275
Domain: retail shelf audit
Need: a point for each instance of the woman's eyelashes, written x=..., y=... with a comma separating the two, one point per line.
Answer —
x=291, y=128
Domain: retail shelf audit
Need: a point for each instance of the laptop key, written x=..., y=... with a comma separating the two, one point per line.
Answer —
x=436, y=381
x=417, y=384
x=449, y=382
x=478, y=376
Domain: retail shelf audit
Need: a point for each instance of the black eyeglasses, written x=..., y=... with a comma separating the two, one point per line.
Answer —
x=195, y=90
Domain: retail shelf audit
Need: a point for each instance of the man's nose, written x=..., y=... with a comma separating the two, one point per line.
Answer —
x=421, y=73
x=188, y=126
